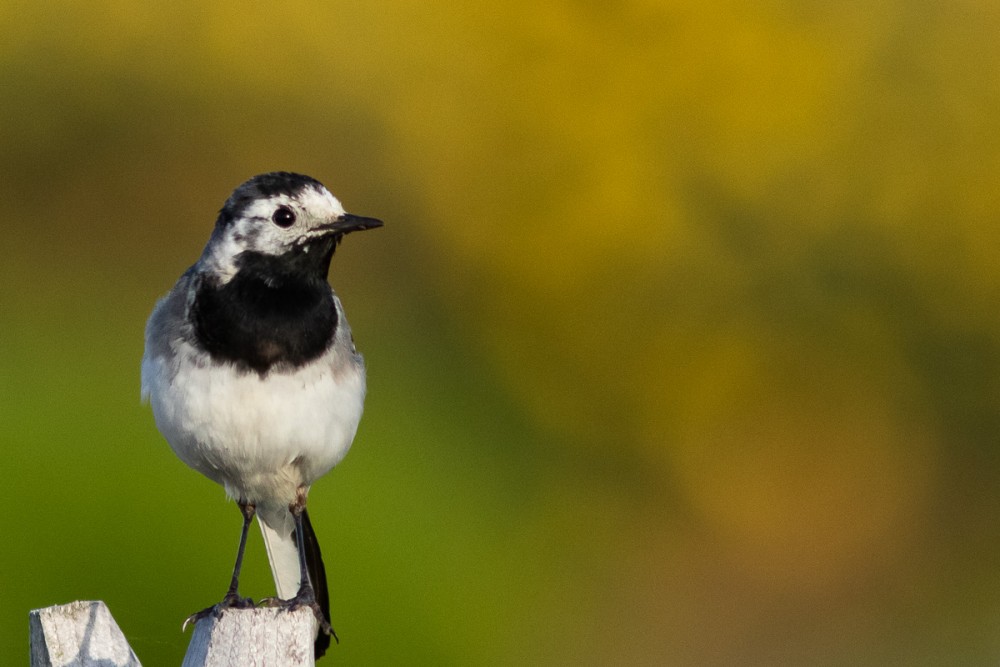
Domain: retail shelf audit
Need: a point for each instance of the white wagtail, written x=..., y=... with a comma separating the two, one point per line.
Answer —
x=252, y=373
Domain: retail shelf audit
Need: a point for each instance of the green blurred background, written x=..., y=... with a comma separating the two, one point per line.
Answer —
x=682, y=331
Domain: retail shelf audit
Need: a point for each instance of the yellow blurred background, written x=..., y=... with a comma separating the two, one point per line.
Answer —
x=682, y=332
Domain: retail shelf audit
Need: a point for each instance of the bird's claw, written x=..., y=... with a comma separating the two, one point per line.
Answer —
x=303, y=599
x=231, y=601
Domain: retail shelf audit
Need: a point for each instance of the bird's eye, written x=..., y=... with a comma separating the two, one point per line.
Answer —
x=283, y=217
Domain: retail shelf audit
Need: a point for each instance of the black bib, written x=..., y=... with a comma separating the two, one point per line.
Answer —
x=275, y=310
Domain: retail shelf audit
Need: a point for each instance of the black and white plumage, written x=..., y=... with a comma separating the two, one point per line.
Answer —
x=251, y=371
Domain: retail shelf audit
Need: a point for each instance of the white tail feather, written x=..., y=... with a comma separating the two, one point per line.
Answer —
x=278, y=530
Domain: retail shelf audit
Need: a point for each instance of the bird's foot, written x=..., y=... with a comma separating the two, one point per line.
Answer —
x=231, y=601
x=306, y=597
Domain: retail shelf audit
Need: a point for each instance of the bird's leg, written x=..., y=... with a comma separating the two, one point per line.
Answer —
x=306, y=597
x=232, y=599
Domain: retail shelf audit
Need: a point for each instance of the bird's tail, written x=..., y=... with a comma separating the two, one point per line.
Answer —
x=278, y=529
x=317, y=575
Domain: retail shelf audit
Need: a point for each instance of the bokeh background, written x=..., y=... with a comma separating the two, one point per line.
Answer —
x=682, y=331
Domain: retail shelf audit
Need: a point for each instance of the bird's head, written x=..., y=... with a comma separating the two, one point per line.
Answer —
x=281, y=217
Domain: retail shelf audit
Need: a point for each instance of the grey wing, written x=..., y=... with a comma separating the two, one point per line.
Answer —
x=167, y=325
x=344, y=341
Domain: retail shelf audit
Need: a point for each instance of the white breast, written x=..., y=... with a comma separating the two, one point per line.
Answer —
x=262, y=438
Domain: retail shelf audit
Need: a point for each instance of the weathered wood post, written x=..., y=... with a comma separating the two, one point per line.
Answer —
x=78, y=634
x=84, y=634
x=262, y=637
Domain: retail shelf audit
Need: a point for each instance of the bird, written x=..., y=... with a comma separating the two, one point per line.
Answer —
x=253, y=377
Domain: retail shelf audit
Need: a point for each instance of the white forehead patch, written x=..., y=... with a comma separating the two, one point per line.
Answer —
x=320, y=202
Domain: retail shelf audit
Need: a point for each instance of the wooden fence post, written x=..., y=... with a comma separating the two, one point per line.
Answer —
x=78, y=634
x=263, y=637
x=83, y=634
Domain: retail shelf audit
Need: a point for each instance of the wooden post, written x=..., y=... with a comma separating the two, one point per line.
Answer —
x=78, y=634
x=262, y=637
x=83, y=634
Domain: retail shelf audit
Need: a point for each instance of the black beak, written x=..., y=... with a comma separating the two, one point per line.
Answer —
x=348, y=223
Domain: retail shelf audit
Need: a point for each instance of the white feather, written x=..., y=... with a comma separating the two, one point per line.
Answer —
x=278, y=529
x=261, y=438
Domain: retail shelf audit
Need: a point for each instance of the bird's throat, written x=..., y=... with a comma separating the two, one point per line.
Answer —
x=276, y=311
